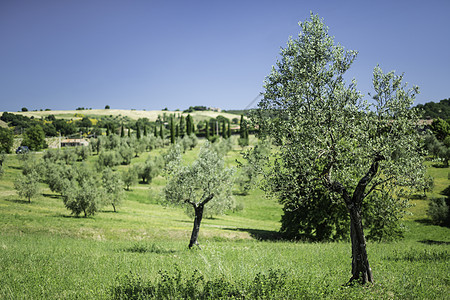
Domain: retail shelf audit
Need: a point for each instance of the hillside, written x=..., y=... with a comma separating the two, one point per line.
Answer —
x=152, y=115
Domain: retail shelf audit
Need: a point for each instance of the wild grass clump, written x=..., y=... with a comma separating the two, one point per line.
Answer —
x=276, y=284
x=148, y=248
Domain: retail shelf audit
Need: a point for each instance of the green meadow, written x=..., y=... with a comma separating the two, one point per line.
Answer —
x=46, y=253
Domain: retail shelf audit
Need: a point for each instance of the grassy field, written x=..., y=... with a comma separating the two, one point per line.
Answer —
x=45, y=253
x=152, y=115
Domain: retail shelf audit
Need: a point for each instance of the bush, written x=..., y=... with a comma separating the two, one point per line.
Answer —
x=438, y=211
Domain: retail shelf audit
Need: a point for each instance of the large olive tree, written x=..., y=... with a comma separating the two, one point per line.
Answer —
x=206, y=183
x=330, y=138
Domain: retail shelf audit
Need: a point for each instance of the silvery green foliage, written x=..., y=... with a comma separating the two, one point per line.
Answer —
x=82, y=152
x=222, y=146
x=252, y=169
x=172, y=158
x=109, y=159
x=83, y=197
x=205, y=177
x=27, y=186
x=113, y=188
x=150, y=169
x=129, y=177
x=326, y=133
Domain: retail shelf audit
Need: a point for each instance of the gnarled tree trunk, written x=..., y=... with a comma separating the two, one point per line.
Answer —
x=197, y=220
x=361, y=270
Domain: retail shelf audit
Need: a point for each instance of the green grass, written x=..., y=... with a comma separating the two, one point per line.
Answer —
x=45, y=253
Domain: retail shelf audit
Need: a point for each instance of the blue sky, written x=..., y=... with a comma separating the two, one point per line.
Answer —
x=175, y=54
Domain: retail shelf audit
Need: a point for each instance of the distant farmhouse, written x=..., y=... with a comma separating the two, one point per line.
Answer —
x=74, y=143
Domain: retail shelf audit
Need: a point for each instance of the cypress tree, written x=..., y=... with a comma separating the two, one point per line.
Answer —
x=155, y=133
x=145, y=131
x=241, y=130
x=188, y=125
x=182, y=129
x=172, y=131
x=129, y=132
x=122, y=132
x=229, y=129
x=224, y=129
x=207, y=130
x=161, y=133
x=138, y=132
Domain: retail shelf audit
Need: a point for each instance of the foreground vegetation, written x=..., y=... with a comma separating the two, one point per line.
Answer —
x=45, y=252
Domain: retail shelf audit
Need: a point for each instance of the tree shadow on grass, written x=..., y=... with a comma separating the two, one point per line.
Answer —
x=417, y=197
x=433, y=242
x=53, y=196
x=424, y=221
x=439, y=166
x=80, y=217
x=18, y=201
x=261, y=235
x=15, y=167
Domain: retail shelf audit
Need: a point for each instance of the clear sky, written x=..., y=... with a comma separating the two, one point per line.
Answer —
x=136, y=54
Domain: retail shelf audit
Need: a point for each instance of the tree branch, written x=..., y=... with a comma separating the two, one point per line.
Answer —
x=358, y=194
x=207, y=199
x=376, y=185
x=190, y=202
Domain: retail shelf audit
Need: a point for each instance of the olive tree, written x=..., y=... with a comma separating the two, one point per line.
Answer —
x=129, y=177
x=204, y=183
x=113, y=187
x=83, y=196
x=329, y=137
x=27, y=186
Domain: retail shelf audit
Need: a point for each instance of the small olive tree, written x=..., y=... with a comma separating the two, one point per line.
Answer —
x=129, y=177
x=206, y=182
x=27, y=186
x=83, y=197
x=113, y=187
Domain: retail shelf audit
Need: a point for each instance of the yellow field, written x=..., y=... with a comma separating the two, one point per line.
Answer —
x=152, y=115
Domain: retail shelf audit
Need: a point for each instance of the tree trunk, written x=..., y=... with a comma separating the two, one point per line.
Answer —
x=114, y=207
x=361, y=270
x=197, y=220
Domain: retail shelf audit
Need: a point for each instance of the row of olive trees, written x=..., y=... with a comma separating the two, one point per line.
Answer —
x=81, y=190
x=79, y=187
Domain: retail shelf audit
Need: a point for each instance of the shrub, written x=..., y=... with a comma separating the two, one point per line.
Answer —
x=438, y=211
